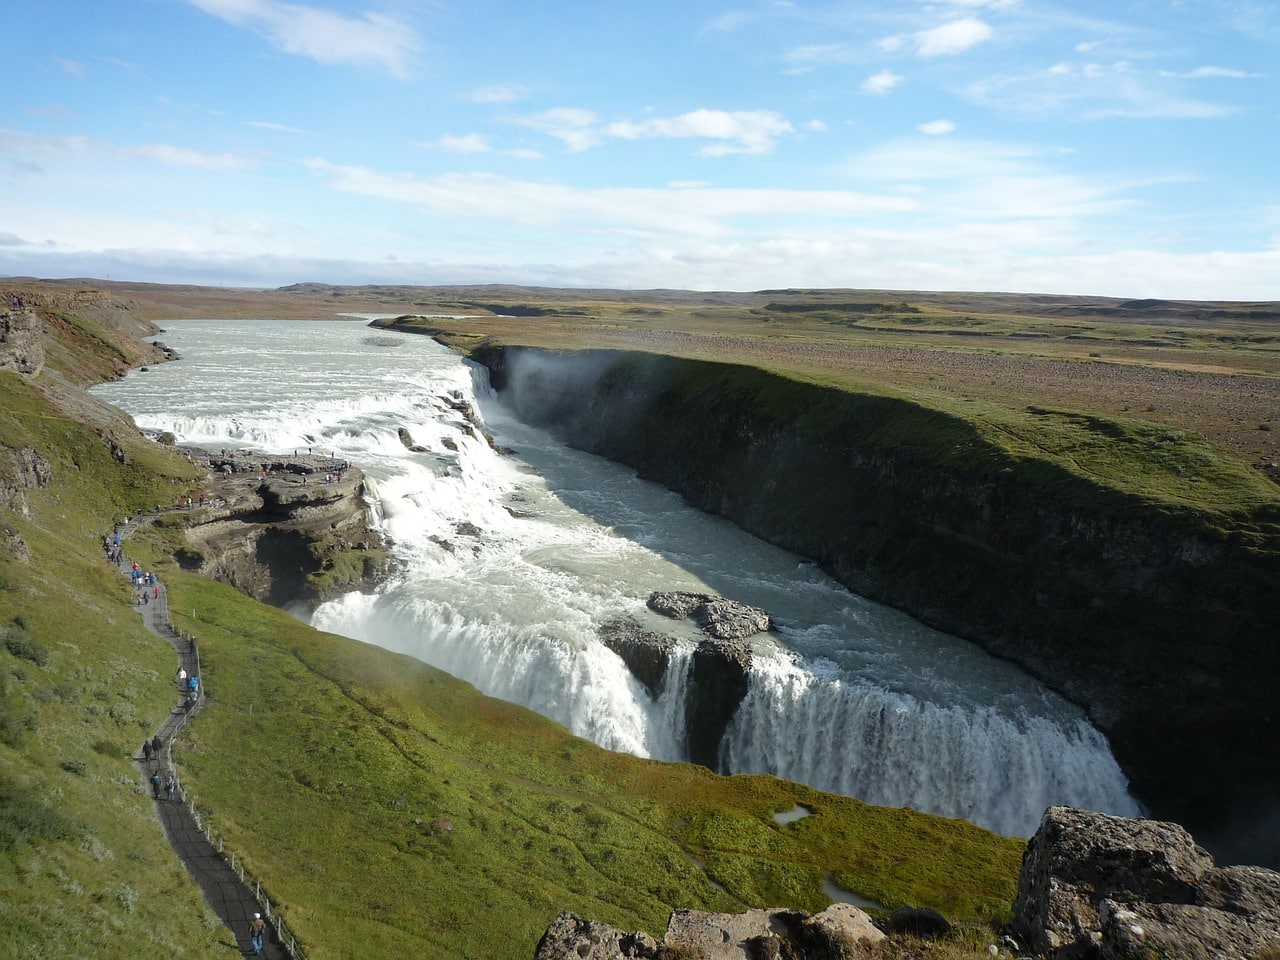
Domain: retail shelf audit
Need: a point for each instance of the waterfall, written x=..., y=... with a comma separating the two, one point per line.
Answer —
x=508, y=565
x=994, y=767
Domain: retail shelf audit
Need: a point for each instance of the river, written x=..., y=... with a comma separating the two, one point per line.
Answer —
x=510, y=559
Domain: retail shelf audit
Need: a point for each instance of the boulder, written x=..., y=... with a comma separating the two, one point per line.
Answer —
x=830, y=935
x=1098, y=887
x=572, y=938
x=718, y=617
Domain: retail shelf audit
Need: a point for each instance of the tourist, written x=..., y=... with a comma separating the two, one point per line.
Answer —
x=155, y=784
x=257, y=929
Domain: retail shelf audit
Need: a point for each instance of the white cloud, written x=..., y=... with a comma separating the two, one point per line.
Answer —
x=978, y=180
x=187, y=157
x=38, y=146
x=576, y=128
x=882, y=82
x=751, y=132
x=678, y=213
x=497, y=93
x=468, y=143
x=73, y=67
x=952, y=38
x=277, y=127
x=371, y=40
x=947, y=40
x=937, y=128
x=1090, y=91
x=1202, y=73
x=821, y=54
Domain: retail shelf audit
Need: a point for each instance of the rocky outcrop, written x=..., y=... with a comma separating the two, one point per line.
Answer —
x=21, y=341
x=21, y=470
x=717, y=617
x=719, y=679
x=720, y=673
x=833, y=934
x=1157, y=621
x=283, y=529
x=1097, y=887
x=572, y=938
x=646, y=654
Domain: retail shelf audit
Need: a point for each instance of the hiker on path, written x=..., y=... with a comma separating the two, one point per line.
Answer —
x=155, y=784
x=156, y=744
x=257, y=929
x=170, y=784
x=146, y=751
x=182, y=679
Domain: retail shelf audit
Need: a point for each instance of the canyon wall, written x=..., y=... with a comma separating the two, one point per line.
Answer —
x=1163, y=623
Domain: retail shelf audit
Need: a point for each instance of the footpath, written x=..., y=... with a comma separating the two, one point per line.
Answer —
x=234, y=896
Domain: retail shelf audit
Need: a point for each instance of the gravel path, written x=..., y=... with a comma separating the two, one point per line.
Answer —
x=232, y=898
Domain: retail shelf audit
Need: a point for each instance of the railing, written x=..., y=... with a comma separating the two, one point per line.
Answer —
x=284, y=935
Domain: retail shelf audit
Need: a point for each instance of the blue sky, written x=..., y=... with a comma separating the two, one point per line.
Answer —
x=1117, y=148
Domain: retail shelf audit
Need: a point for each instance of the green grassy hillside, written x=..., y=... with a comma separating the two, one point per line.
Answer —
x=392, y=810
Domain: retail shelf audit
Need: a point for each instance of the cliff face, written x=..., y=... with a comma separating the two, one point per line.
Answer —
x=294, y=537
x=1162, y=625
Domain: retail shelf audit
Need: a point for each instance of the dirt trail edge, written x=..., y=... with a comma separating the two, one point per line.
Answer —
x=233, y=898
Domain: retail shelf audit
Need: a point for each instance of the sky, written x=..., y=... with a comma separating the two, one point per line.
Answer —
x=1096, y=147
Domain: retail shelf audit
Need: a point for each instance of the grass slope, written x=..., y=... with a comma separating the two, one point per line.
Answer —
x=390, y=808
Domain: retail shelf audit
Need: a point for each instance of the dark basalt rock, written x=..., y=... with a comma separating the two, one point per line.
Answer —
x=646, y=654
x=721, y=675
x=718, y=617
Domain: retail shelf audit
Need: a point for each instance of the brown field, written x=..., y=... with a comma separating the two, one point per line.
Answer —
x=1213, y=368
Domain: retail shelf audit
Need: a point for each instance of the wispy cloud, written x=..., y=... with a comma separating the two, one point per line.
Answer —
x=748, y=132
x=684, y=211
x=576, y=128
x=467, y=143
x=73, y=67
x=31, y=145
x=979, y=180
x=187, y=157
x=370, y=40
x=937, y=128
x=277, y=127
x=949, y=39
x=1091, y=91
x=882, y=82
x=1205, y=73
x=820, y=54
x=497, y=93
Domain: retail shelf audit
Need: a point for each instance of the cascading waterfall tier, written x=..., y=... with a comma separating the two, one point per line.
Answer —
x=511, y=563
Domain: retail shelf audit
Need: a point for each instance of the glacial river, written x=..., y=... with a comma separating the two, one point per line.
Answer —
x=511, y=561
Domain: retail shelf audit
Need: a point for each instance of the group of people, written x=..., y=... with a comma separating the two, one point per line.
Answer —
x=145, y=585
x=151, y=750
x=17, y=302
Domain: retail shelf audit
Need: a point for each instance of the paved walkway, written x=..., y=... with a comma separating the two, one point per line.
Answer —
x=231, y=898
